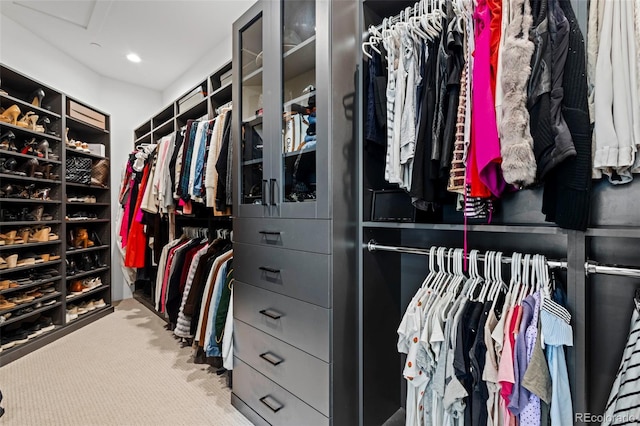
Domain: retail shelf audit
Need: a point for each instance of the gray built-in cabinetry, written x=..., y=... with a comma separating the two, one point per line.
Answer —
x=202, y=102
x=295, y=300
x=69, y=207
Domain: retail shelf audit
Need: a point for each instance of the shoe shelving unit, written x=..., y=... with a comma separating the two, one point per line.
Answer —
x=15, y=215
x=214, y=92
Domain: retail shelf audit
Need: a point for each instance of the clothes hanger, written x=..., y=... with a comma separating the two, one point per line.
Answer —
x=474, y=274
x=516, y=279
x=525, y=278
x=414, y=22
x=488, y=257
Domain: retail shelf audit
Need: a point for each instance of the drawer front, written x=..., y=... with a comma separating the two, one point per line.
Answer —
x=301, y=275
x=298, y=372
x=276, y=405
x=298, y=323
x=293, y=234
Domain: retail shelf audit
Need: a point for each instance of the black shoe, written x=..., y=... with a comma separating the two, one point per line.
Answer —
x=96, y=240
x=19, y=336
x=87, y=262
x=33, y=329
x=97, y=261
x=72, y=269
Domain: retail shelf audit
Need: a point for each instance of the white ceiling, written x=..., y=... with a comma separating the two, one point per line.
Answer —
x=169, y=36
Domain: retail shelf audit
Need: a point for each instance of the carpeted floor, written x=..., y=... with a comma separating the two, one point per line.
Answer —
x=124, y=369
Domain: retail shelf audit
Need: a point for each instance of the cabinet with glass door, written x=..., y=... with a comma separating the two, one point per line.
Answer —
x=283, y=114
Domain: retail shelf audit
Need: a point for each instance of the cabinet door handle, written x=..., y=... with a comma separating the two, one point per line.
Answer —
x=271, y=358
x=274, y=199
x=264, y=192
x=271, y=314
x=267, y=269
x=271, y=405
x=269, y=232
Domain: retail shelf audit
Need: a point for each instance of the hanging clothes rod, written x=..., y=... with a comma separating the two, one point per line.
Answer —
x=221, y=107
x=596, y=268
x=372, y=245
x=407, y=12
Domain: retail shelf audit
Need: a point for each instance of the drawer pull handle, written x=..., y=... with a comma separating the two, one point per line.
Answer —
x=269, y=232
x=271, y=406
x=271, y=314
x=271, y=358
x=267, y=269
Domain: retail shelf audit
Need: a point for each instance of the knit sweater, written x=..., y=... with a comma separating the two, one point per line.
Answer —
x=567, y=192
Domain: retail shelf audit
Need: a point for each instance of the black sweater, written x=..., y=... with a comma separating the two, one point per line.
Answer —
x=567, y=192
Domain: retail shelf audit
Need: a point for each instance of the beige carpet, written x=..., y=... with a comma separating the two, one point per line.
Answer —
x=124, y=369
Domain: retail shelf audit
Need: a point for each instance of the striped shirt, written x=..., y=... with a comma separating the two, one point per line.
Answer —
x=623, y=406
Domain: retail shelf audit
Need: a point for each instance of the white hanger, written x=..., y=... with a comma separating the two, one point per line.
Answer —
x=525, y=277
x=374, y=38
x=487, y=276
x=515, y=283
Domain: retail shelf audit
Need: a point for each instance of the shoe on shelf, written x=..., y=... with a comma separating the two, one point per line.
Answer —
x=88, y=306
x=72, y=268
x=43, y=235
x=35, y=98
x=87, y=262
x=5, y=304
x=98, y=262
x=10, y=238
x=10, y=115
x=78, y=216
x=3, y=263
x=41, y=125
x=6, y=342
x=28, y=121
x=70, y=143
x=33, y=329
x=46, y=324
x=48, y=288
x=12, y=261
x=81, y=239
x=72, y=313
x=26, y=261
x=38, y=212
x=99, y=303
x=76, y=287
x=9, y=166
x=6, y=139
x=41, y=194
x=7, y=284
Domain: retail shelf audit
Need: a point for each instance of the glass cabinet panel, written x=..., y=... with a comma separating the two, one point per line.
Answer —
x=298, y=148
x=251, y=112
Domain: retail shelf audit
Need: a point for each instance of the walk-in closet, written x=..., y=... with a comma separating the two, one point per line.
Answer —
x=315, y=212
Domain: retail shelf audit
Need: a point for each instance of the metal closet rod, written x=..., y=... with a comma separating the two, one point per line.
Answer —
x=590, y=267
x=372, y=245
x=595, y=268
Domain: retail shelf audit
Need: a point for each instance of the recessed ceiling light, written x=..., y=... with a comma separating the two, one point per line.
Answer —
x=133, y=58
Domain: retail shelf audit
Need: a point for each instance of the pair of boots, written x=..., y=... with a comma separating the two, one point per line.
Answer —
x=81, y=239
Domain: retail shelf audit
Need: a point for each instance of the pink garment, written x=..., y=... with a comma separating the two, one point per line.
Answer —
x=506, y=374
x=483, y=124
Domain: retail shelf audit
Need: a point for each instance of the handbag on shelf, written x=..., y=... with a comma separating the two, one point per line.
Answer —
x=78, y=170
x=100, y=173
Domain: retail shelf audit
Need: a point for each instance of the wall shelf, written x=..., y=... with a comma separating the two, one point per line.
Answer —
x=58, y=107
x=23, y=130
x=4, y=152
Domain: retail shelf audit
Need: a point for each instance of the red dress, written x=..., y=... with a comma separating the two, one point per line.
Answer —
x=137, y=241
